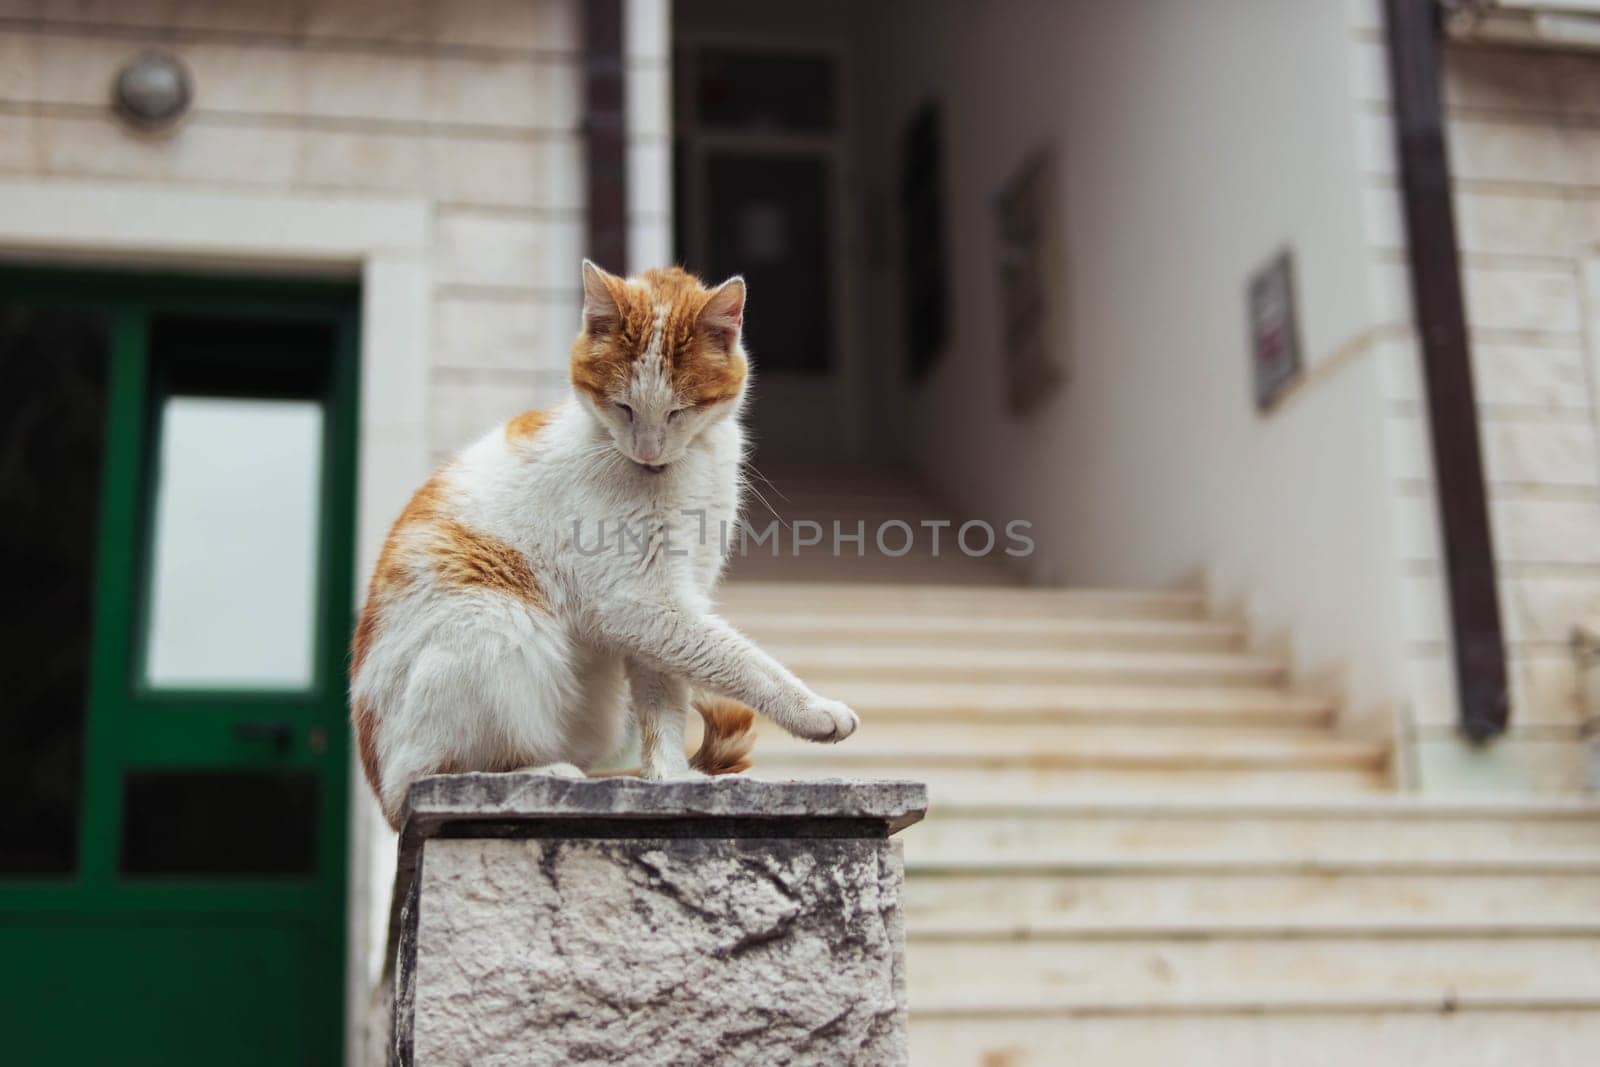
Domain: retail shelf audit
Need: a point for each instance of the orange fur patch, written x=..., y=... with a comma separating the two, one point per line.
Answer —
x=366, y=633
x=725, y=741
x=426, y=536
x=393, y=572
x=728, y=738
x=365, y=724
x=426, y=503
x=526, y=427
x=464, y=558
x=699, y=364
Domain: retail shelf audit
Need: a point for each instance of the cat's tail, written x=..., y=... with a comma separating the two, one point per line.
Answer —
x=725, y=742
x=729, y=735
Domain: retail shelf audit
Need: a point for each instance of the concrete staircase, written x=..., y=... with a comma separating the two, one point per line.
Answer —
x=996, y=693
x=1145, y=847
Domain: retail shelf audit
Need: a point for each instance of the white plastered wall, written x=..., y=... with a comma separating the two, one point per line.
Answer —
x=1194, y=141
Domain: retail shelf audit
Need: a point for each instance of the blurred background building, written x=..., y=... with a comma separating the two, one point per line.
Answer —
x=1273, y=749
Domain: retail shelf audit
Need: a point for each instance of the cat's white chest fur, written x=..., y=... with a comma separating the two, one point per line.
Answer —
x=594, y=522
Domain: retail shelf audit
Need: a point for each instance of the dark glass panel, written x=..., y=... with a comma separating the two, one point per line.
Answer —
x=770, y=223
x=219, y=823
x=764, y=91
x=53, y=363
x=241, y=356
x=927, y=311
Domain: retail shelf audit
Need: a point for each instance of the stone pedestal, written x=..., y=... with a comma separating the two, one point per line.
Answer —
x=729, y=921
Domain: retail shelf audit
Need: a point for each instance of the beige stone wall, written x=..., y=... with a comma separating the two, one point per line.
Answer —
x=1524, y=142
x=471, y=104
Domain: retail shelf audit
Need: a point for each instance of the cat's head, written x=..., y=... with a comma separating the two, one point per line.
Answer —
x=658, y=359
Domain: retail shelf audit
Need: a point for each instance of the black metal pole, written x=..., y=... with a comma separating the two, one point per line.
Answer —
x=1480, y=662
x=605, y=134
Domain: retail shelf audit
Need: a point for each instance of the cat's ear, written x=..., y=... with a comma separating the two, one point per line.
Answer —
x=723, y=315
x=600, y=308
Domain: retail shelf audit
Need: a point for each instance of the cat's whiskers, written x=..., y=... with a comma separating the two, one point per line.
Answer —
x=750, y=466
x=767, y=504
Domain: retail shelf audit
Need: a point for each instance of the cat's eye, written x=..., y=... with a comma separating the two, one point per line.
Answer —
x=674, y=413
x=626, y=410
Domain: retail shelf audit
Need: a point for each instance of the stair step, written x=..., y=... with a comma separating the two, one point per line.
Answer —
x=1214, y=972
x=984, y=744
x=818, y=663
x=1171, y=749
x=1058, y=702
x=1070, y=784
x=1351, y=832
x=1399, y=1031
x=1223, y=863
x=1252, y=769
x=1074, y=782
x=1227, y=894
x=816, y=565
x=845, y=598
x=1110, y=873
x=980, y=929
x=921, y=632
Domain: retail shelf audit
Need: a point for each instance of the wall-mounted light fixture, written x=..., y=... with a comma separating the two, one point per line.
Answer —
x=152, y=89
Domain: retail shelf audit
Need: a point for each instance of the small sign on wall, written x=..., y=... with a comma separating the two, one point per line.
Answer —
x=1274, y=330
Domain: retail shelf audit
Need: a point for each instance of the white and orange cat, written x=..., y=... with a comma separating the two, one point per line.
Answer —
x=498, y=635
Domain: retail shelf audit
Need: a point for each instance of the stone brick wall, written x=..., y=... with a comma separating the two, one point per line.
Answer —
x=473, y=105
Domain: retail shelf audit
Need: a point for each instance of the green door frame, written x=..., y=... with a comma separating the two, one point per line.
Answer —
x=128, y=726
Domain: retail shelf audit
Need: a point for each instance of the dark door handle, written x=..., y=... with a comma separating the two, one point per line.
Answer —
x=278, y=733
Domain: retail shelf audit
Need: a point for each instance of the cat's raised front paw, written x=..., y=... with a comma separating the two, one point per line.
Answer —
x=826, y=720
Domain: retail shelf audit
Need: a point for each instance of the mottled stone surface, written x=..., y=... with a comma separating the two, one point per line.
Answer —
x=674, y=951
x=617, y=921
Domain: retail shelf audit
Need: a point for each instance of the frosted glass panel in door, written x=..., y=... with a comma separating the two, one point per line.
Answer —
x=234, y=566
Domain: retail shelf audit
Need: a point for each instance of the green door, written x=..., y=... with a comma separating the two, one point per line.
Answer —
x=176, y=489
